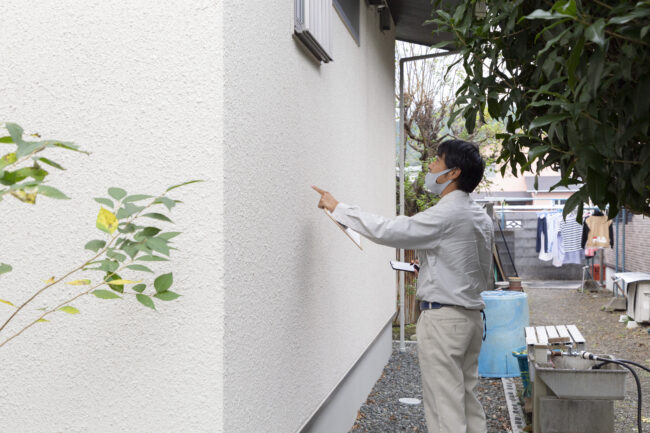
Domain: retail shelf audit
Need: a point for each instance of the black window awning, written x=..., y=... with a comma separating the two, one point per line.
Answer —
x=409, y=17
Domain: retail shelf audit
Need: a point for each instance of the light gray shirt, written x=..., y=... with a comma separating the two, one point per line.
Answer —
x=453, y=240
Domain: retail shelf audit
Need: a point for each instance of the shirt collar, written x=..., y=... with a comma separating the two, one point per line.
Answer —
x=454, y=195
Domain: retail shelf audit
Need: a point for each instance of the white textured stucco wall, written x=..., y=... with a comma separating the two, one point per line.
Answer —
x=139, y=84
x=302, y=302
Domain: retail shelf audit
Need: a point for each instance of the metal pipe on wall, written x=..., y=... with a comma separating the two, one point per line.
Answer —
x=402, y=158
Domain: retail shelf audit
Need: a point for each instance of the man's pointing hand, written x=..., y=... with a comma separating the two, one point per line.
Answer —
x=327, y=201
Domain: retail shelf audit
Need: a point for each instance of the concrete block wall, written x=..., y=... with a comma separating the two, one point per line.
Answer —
x=521, y=241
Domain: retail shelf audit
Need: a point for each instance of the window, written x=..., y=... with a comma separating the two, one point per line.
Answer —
x=349, y=11
x=312, y=22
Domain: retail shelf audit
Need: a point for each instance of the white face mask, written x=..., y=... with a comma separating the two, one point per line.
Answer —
x=431, y=184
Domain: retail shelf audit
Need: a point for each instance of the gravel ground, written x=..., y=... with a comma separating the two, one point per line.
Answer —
x=605, y=335
x=383, y=413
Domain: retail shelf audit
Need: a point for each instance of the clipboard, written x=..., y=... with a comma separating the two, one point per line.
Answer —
x=404, y=266
x=354, y=236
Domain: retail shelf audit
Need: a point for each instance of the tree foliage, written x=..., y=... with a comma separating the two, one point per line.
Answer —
x=131, y=236
x=22, y=172
x=571, y=81
x=429, y=86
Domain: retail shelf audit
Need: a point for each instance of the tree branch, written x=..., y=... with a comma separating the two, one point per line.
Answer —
x=133, y=218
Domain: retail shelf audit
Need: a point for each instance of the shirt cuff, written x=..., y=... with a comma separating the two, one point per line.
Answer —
x=340, y=211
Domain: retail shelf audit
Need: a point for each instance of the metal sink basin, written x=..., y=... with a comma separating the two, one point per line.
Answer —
x=572, y=377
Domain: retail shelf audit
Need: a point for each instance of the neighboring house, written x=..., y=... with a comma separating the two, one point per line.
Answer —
x=520, y=190
x=284, y=325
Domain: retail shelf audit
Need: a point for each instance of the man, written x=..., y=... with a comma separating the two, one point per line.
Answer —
x=453, y=240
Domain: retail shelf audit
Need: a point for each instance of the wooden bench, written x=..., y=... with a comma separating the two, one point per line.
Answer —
x=539, y=339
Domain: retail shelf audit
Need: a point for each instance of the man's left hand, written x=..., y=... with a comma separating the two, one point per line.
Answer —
x=327, y=200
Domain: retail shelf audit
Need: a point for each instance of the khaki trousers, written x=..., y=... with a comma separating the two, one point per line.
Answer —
x=449, y=341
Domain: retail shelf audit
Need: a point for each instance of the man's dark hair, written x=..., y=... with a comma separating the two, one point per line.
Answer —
x=465, y=156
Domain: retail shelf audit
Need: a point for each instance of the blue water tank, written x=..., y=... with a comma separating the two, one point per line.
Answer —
x=506, y=316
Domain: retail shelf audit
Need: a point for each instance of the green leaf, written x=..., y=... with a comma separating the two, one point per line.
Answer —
x=635, y=13
x=166, y=296
x=572, y=202
x=537, y=151
x=168, y=235
x=42, y=320
x=158, y=216
x=116, y=256
x=139, y=287
x=596, y=32
x=159, y=245
x=117, y=287
x=15, y=131
x=52, y=192
x=152, y=258
x=169, y=203
x=128, y=228
x=163, y=282
x=68, y=309
x=27, y=147
x=66, y=145
x=4, y=268
x=106, y=265
x=574, y=60
x=545, y=120
x=182, y=184
x=116, y=193
x=441, y=44
x=49, y=162
x=128, y=210
x=95, y=245
x=565, y=7
x=105, y=294
x=136, y=197
x=146, y=232
x=137, y=267
x=146, y=301
x=596, y=66
x=105, y=201
x=644, y=31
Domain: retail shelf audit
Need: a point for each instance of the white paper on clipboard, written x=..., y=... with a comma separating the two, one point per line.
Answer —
x=354, y=236
x=402, y=266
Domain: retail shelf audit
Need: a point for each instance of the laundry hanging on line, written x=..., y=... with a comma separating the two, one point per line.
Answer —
x=558, y=240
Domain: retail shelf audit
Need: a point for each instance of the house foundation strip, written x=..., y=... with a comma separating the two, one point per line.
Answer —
x=338, y=410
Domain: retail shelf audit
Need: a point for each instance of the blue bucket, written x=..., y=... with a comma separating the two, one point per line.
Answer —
x=506, y=315
x=521, y=354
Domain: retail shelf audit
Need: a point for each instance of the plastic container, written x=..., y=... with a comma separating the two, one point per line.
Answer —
x=521, y=354
x=506, y=317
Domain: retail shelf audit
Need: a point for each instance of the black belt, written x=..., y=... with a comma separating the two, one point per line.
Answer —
x=424, y=305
